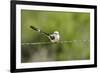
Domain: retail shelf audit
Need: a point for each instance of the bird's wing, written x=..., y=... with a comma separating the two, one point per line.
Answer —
x=52, y=37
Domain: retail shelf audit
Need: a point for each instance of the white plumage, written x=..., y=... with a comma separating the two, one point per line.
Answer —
x=55, y=37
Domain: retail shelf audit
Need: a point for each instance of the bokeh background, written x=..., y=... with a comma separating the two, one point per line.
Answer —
x=74, y=29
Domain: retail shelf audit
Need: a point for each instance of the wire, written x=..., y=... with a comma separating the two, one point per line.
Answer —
x=61, y=42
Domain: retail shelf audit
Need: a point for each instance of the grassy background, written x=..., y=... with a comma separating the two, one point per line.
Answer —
x=71, y=26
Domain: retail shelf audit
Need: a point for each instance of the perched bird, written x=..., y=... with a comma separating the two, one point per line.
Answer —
x=54, y=37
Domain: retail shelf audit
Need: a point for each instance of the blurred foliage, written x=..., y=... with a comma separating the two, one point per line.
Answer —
x=71, y=26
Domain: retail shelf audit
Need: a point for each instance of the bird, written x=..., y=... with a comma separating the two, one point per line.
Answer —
x=54, y=37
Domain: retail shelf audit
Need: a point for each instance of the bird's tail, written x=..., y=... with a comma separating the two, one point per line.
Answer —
x=36, y=29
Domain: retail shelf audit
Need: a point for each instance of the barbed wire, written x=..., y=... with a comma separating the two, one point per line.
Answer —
x=60, y=42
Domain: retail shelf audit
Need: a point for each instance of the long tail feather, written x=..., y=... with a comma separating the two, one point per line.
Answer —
x=36, y=29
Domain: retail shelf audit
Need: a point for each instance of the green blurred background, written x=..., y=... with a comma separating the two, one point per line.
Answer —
x=72, y=26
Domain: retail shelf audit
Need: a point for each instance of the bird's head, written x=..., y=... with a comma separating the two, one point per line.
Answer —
x=56, y=32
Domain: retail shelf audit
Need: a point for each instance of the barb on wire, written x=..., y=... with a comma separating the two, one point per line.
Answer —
x=61, y=42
